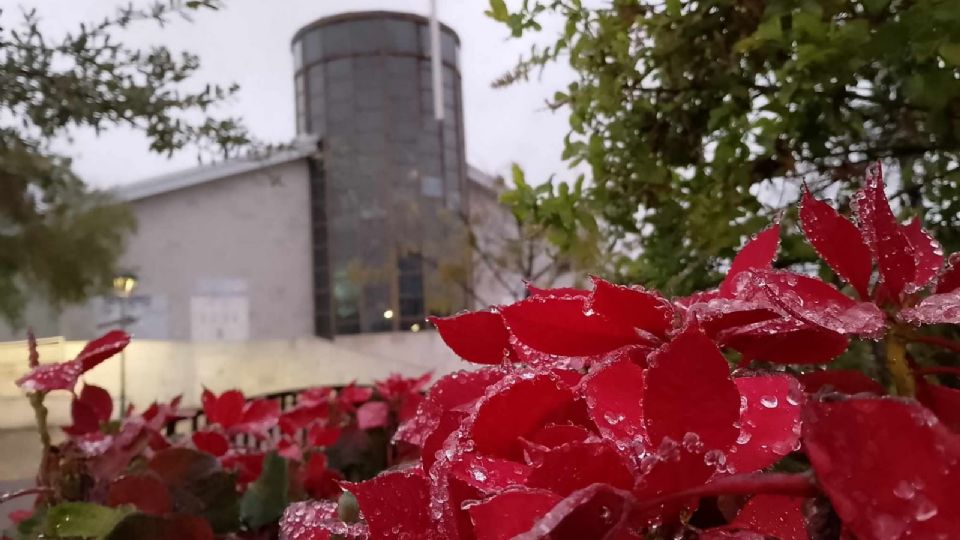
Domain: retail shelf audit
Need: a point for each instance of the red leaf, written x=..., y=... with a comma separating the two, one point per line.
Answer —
x=928, y=255
x=63, y=376
x=574, y=466
x=785, y=341
x=554, y=435
x=820, y=304
x=318, y=520
x=302, y=416
x=557, y=291
x=769, y=421
x=353, y=394
x=178, y=467
x=99, y=400
x=778, y=516
x=838, y=242
x=144, y=491
x=724, y=314
x=373, y=414
x=102, y=348
x=847, y=381
x=314, y=396
x=259, y=416
x=486, y=474
x=319, y=481
x=597, y=511
x=174, y=527
x=889, y=467
x=612, y=394
x=448, y=423
x=399, y=388
x=943, y=401
x=950, y=278
x=895, y=257
x=85, y=419
x=394, y=505
x=324, y=435
x=18, y=516
x=478, y=337
x=632, y=306
x=562, y=326
x=758, y=253
x=225, y=409
x=211, y=442
x=448, y=392
x=513, y=408
x=688, y=390
x=934, y=309
x=248, y=465
x=510, y=513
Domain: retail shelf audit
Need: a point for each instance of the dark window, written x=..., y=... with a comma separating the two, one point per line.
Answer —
x=312, y=47
x=401, y=36
x=410, y=270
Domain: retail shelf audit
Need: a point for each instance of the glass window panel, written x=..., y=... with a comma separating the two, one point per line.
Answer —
x=312, y=49
x=337, y=39
x=315, y=80
x=401, y=36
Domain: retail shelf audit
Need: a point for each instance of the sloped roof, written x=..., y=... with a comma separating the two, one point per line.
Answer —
x=299, y=149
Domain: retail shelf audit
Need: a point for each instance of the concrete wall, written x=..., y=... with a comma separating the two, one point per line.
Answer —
x=252, y=229
x=161, y=370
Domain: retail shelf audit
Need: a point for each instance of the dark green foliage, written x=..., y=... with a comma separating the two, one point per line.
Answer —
x=686, y=111
x=58, y=238
x=266, y=498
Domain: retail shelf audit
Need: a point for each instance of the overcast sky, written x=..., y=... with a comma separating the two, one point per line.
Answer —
x=249, y=43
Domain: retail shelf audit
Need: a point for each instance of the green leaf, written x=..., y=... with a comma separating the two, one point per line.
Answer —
x=951, y=53
x=673, y=8
x=265, y=499
x=83, y=520
x=498, y=10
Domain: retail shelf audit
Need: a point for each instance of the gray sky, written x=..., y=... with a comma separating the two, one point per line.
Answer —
x=249, y=43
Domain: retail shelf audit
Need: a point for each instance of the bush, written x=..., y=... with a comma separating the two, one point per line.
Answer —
x=612, y=413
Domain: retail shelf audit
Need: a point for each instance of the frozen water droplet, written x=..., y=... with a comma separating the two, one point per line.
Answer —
x=744, y=437
x=769, y=401
x=925, y=510
x=692, y=442
x=904, y=490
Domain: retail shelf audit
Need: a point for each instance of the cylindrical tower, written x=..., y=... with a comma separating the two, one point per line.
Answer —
x=389, y=197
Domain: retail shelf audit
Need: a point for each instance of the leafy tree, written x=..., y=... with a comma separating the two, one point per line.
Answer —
x=60, y=239
x=699, y=119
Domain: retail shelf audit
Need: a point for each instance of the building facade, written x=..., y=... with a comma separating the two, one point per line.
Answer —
x=359, y=227
x=391, y=192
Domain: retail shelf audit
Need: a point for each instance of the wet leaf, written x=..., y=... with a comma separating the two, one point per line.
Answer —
x=264, y=501
x=838, y=242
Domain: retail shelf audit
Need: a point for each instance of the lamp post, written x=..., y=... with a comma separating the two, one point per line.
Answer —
x=123, y=286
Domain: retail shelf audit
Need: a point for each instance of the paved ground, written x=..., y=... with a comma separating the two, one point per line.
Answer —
x=19, y=458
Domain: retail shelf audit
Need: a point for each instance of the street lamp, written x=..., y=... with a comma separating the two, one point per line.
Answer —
x=123, y=286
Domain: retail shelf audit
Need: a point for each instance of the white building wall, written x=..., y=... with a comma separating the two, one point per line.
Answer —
x=241, y=241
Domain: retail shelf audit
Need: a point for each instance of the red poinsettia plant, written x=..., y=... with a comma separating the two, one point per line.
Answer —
x=126, y=478
x=616, y=413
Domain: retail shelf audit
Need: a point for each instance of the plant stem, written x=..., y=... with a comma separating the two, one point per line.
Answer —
x=4, y=497
x=903, y=381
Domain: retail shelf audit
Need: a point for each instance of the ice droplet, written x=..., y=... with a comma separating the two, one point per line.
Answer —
x=769, y=401
x=744, y=437
x=904, y=490
x=692, y=442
